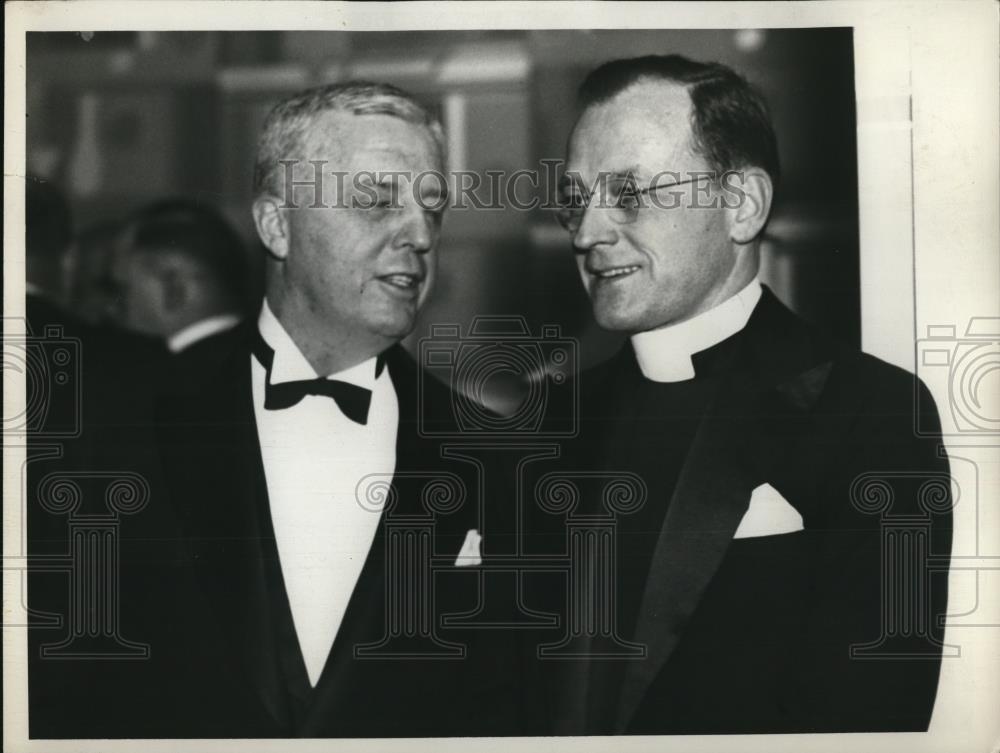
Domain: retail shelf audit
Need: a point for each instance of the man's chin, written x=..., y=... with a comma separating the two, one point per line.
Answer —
x=396, y=326
x=616, y=320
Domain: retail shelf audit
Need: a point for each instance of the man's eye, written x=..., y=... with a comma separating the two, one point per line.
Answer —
x=379, y=197
x=628, y=200
x=574, y=201
x=380, y=203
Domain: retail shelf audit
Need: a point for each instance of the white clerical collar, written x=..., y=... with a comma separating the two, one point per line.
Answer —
x=191, y=334
x=664, y=354
x=290, y=365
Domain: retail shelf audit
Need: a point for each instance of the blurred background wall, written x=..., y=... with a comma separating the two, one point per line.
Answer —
x=120, y=119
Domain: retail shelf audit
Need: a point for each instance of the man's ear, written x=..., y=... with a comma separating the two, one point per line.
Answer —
x=749, y=192
x=271, y=222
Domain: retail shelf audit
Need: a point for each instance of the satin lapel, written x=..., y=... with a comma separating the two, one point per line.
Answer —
x=576, y=696
x=212, y=461
x=344, y=678
x=711, y=496
x=410, y=450
x=775, y=370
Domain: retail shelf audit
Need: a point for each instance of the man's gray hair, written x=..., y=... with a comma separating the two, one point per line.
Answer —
x=284, y=129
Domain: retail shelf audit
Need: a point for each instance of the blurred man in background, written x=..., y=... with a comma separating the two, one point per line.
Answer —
x=91, y=289
x=753, y=574
x=180, y=274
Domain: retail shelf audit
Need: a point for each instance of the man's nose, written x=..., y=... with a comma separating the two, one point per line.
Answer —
x=417, y=232
x=596, y=228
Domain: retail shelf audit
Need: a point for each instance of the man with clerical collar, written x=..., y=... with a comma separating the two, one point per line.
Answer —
x=753, y=576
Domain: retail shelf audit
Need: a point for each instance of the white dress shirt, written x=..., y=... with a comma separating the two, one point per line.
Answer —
x=664, y=354
x=189, y=335
x=314, y=457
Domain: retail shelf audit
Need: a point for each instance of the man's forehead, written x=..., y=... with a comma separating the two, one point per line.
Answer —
x=375, y=138
x=644, y=126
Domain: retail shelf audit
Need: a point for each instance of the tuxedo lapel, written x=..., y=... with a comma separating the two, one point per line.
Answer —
x=711, y=496
x=212, y=463
x=768, y=369
x=212, y=457
x=348, y=684
x=577, y=691
x=212, y=460
x=344, y=683
x=410, y=450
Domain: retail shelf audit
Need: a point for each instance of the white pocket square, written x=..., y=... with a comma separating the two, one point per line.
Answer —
x=469, y=555
x=769, y=514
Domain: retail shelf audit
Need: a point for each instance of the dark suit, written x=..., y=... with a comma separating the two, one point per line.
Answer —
x=242, y=643
x=90, y=460
x=202, y=588
x=198, y=363
x=755, y=634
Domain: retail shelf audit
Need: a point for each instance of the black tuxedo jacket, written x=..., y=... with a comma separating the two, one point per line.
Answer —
x=215, y=477
x=756, y=634
x=205, y=593
x=197, y=364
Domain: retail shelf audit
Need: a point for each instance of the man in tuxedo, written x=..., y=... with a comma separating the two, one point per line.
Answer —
x=289, y=571
x=767, y=579
x=311, y=503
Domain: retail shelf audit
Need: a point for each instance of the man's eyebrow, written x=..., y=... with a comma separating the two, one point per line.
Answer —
x=634, y=172
x=573, y=179
x=376, y=178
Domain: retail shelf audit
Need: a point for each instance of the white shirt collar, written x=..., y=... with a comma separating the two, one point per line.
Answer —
x=290, y=365
x=189, y=335
x=664, y=354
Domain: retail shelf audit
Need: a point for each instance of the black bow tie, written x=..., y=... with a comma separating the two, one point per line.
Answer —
x=352, y=400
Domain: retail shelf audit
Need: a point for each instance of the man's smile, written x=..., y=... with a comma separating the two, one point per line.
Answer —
x=407, y=283
x=612, y=273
